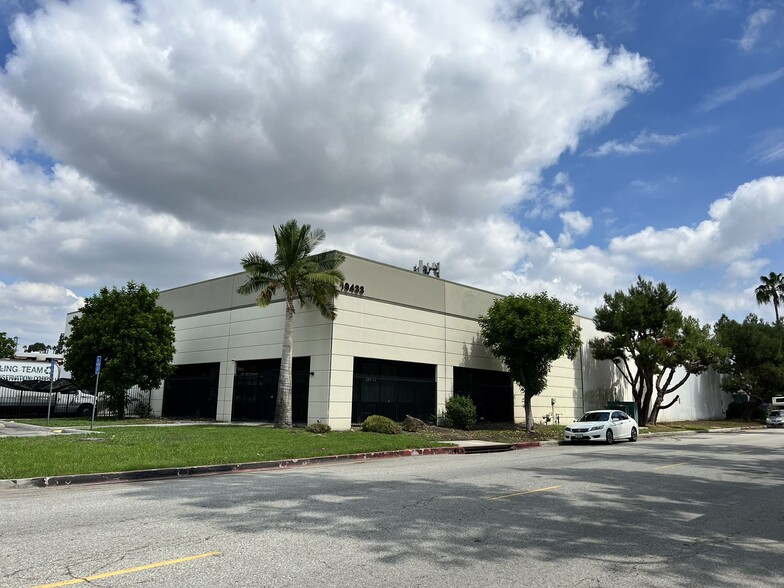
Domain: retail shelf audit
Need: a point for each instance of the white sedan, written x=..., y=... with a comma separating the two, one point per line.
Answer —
x=603, y=425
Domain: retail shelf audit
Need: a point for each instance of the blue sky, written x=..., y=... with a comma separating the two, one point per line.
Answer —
x=712, y=135
x=537, y=145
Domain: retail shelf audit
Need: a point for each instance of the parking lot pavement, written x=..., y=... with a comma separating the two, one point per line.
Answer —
x=14, y=429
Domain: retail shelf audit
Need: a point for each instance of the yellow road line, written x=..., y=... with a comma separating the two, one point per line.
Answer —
x=524, y=492
x=160, y=564
x=672, y=465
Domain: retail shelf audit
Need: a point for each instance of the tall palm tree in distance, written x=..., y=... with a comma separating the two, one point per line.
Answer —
x=301, y=276
x=771, y=290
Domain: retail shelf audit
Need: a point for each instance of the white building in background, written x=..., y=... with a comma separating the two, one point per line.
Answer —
x=403, y=343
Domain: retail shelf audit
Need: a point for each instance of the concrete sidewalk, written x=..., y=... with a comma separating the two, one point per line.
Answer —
x=14, y=429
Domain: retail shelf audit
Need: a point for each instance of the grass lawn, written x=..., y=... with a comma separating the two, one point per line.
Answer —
x=135, y=448
x=509, y=433
x=699, y=425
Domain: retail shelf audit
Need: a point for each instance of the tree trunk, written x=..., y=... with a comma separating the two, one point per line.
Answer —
x=529, y=417
x=283, y=418
x=655, y=410
x=647, y=393
x=659, y=406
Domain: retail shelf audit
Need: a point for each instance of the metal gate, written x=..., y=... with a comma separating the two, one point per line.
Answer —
x=192, y=392
x=491, y=392
x=256, y=390
x=393, y=389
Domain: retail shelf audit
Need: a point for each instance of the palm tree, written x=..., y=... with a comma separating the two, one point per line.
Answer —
x=771, y=290
x=302, y=277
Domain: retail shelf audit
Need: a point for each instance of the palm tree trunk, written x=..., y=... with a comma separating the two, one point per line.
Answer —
x=283, y=418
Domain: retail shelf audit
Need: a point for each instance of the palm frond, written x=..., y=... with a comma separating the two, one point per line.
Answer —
x=303, y=276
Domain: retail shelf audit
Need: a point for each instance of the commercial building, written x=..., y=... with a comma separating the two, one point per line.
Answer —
x=403, y=342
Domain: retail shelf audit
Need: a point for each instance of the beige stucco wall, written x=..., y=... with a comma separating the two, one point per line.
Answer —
x=401, y=316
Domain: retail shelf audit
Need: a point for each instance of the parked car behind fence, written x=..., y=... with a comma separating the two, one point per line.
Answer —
x=16, y=404
x=36, y=403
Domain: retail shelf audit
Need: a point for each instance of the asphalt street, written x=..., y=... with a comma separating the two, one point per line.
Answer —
x=699, y=510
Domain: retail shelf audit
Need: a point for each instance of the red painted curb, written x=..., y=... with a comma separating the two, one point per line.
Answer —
x=527, y=444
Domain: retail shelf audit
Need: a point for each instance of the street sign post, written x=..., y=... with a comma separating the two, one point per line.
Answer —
x=51, y=382
x=95, y=396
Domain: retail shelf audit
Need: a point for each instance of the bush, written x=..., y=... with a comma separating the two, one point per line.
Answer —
x=443, y=421
x=413, y=424
x=743, y=410
x=143, y=409
x=460, y=410
x=379, y=424
x=318, y=428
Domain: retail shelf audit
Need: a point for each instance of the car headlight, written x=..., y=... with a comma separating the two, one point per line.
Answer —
x=596, y=428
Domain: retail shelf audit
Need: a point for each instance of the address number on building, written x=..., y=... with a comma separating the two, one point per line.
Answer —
x=357, y=289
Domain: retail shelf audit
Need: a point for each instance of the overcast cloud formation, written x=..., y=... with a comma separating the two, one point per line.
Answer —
x=160, y=141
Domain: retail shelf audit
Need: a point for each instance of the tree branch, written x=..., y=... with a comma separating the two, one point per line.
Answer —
x=665, y=406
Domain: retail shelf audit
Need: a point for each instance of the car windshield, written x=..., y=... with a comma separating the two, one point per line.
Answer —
x=595, y=416
x=775, y=413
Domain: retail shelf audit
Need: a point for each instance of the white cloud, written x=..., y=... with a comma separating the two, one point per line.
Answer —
x=278, y=109
x=16, y=123
x=36, y=310
x=752, y=29
x=746, y=269
x=733, y=92
x=723, y=245
x=542, y=200
x=574, y=223
x=720, y=240
x=652, y=186
x=645, y=142
x=182, y=132
x=715, y=5
x=769, y=147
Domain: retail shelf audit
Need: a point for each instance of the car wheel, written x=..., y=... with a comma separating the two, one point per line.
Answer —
x=609, y=437
x=84, y=410
x=633, y=436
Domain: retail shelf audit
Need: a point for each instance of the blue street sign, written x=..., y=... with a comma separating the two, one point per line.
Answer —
x=97, y=365
x=51, y=370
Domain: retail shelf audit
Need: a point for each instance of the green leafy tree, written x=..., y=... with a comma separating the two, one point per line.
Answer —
x=37, y=347
x=690, y=350
x=528, y=332
x=60, y=347
x=7, y=345
x=649, y=340
x=755, y=362
x=133, y=335
x=771, y=290
x=302, y=277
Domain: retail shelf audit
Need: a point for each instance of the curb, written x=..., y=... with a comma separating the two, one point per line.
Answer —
x=163, y=473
